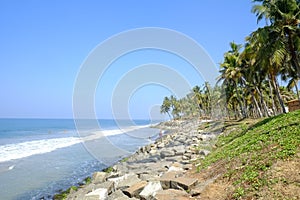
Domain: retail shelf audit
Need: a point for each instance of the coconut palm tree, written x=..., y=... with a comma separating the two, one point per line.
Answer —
x=166, y=107
x=197, y=95
x=231, y=74
x=270, y=56
x=284, y=18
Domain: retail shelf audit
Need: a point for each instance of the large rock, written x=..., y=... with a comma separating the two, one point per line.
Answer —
x=183, y=183
x=176, y=167
x=165, y=179
x=118, y=195
x=99, y=177
x=207, y=137
x=109, y=185
x=160, y=145
x=171, y=194
x=117, y=180
x=167, y=153
x=134, y=190
x=148, y=160
x=98, y=194
x=187, y=156
x=181, y=139
x=153, y=152
x=176, y=143
x=179, y=150
x=173, y=159
x=128, y=181
x=150, y=189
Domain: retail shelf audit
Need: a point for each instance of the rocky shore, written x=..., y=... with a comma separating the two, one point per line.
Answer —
x=157, y=171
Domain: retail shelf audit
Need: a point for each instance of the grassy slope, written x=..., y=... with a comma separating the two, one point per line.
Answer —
x=255, y=159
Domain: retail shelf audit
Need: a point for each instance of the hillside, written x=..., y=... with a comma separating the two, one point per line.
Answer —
x=254, y=160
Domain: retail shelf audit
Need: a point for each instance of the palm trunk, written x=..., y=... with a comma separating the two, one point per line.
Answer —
x=169, y=115
x=256, y=105
x=297, y=90
x=277, y=92
x=227, y=111
x=239, y=100
x=200, y=113
x=263, y=103
x=272, y=98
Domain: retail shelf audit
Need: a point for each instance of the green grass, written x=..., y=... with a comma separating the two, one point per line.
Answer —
x=251, y=150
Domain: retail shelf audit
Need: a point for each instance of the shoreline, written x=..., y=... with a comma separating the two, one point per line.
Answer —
x=153, y=171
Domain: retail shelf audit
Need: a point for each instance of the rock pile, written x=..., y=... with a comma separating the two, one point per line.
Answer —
x=156, y=171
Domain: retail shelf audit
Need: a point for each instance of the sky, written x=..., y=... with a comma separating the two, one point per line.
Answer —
x=44, y=44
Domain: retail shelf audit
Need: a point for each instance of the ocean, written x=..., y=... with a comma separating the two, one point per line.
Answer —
x=39, y=157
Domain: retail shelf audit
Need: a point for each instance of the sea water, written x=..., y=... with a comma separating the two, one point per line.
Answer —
x=39, y=157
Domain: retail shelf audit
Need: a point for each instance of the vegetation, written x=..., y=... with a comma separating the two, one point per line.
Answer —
x=87, y=180
x=248, y=84
x=246, y=156
x=125, y=159
x=64, y=194
x=257, y=160
x=108, y=170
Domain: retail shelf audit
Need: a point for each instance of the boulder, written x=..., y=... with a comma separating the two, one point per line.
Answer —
x=98, y=194
x=174, y=159
x=176, y=169
x=153, y=152
x=181, y=139
x=167, y=153
x=165, y=179
x=183, y=183
x=148, y=160
x=179, y=150
x=171, y=194
x=176, y=143
x=109, y=185
x=134, y=190
x=117, y=180
x=128, y=181
x=150, y=189
x=118, y=195
x=99, y=177
x=160, y=145
x=187, y=156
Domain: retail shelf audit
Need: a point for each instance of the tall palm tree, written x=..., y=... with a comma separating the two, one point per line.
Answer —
x=175, y=105
x=284, y=17
x=231, y=73
x=270, y=56
x=197, y=95
x=166, y=107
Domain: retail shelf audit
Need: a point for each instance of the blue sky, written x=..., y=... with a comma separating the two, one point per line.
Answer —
x=44, y=43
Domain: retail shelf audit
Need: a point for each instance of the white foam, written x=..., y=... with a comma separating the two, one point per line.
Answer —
x=24, y=149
